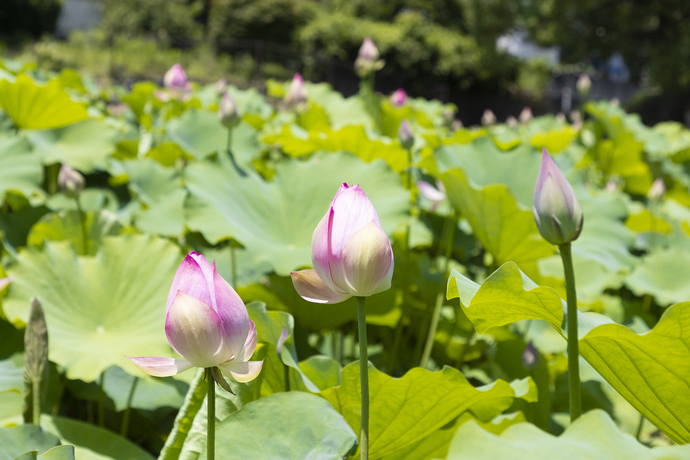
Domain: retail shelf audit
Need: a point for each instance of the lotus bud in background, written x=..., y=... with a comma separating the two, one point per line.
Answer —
x=512, y=122
x=398, y=98
x=488, y=118
x=456, y=125
x=525, y=116
x=351, y=253
x=584, y=84
x=611, y=186
x=657, y=190
x=556, y=210
x=368, y=61
x=405, y=134
x=431, y=193
x=296, y=96
x=70, y=182
x=221, y=86
x=560, y=117
x=575, y=116
x=530, y=357
x=227, y=111
x=207, y=324
x=615, y=101
x=175, y=78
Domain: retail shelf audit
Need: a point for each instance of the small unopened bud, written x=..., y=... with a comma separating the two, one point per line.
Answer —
x=584, y=83
x=456, y=125
x=560, y=117
x=368, y=60
x=405, y=134
x=611, y=186
x=175, y=78
x=296, y=96
x=227, y=111
x=488, y=118
x=575, y=116
x=657, y=190
x=526, y=115
x=398, y=98
x=530, y=357
x=556, y=210
x=615, y=101
x=221, y=86
x=70, y=182
x=511, y=121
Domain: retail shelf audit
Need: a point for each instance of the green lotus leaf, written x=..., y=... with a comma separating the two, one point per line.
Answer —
x=300, y=426
x=118, y=296
x=193, y=402
x=32, y=106
x=413, y=407
x=322, y=371
x=84, y=146
x=56, y=453
x=275, y=220
x=20, y=169
x=661, y=274
x=554, y=140
x=12, y=373
x=593, y=436
x=647, y=370
x=19, y=439
x=91, y=442
x=11, y=408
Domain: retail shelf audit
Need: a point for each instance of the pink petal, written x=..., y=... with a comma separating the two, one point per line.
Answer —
x=250, y=345
x=430, y=192
x=352, y=210
x=195, y=331
x=160, y=367
x=319, y=249
x=193, y=277
x=242, y=372
x=4, y=282
x=312, y=289
x=232, y=313
x=367, y=261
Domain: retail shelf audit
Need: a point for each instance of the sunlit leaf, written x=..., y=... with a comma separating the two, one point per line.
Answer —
x=67, y=225
x=20, y=169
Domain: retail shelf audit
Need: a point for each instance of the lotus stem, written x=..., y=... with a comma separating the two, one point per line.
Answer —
x=573, y=352
x=82, y=224
x=211, y=424
x=101, y=401
x=364, y=377
x=36, y=397
x=128, y=410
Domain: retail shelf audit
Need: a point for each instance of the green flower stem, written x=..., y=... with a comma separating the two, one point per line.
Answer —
x=286, y=376
x=573, y=352
x=211, y=425
x=82, y=224
x=36, y=393
x=128, y=411
x=239, y=170
x=101, y=401
x=364, y=377
x=450, y=237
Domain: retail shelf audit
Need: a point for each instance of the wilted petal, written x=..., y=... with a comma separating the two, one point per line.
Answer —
x=232, y=313
x=160, y=367
x=312, y=289
x=196, y=332
x=250, y=344
x=242, y=372
x=367, y=261
x=194, y=277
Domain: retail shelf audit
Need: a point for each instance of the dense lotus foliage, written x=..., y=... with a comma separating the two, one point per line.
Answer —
x=164, y=174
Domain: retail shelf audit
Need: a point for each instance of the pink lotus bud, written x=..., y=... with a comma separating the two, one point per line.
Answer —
x=368, y=50
x=221, y=86
x=351, y=254
x=615, y=101
x=368, y=60
x=525, y=116
x=431, y=193
x=657, y=190
x=575, y=116
x=297, y=93
x=530, y=357
x=405, y=134
x=398, y=98
x=227, y=111
x=456, y=125
x=556, y=210
x=512, y=121
x=488, y=118
x=207, y=323
x=70, y=182
x=175, y=78
x=584, y=83
x=611, y=186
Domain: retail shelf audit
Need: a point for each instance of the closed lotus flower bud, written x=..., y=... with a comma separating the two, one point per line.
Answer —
x=456, y=125
x=206, y=323
x=525, y=116
x=296, y=96
x=175, y=78
x=512, y=121
x=351, y=254
x=405, y=134
x=398, y=98
x=556, y=210
x=488, y=118
x=431, y=193
x=584, y=83
x=530, y=357
x=657, y=190
x=227, y=111
x=368, y=60
x=70, y=182
x=221, y=86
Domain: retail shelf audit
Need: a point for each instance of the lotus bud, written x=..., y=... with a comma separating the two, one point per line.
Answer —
x=431, y=193
x=512, y=122
x=368, y=60
x=615, y=102
x=206, y=323
x=584, y=84
x=296, y=96
x=449, y=114
x=560, y=117
x=221, y=86
x=657, y=190
x=398, y=98
x=227, y=111
x=575, y=116
x=456, y=125
x=488, y=118
x=70, y=182
x=405, y=134
x=530, y=357
x=351, y=254
x=525, y=116
x=175, y=78
x=611, y=186
x=556, y=210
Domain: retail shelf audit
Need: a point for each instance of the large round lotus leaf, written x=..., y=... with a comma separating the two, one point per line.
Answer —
x=91, y=442
x=275, y=220
x=98, y=308
x=84, y=146
x=19, y=439
x=20, y=169
x=662, y=274
x=32, y=106
x=292, y=425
